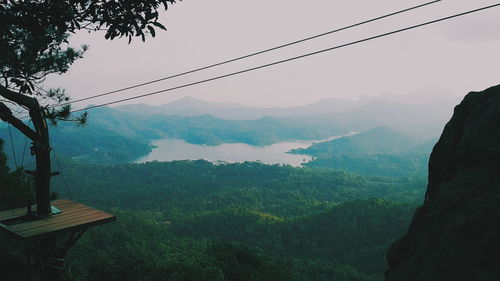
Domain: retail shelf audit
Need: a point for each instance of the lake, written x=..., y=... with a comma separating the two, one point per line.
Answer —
x=175, y=149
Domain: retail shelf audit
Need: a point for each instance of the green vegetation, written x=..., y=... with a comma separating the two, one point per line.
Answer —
x=14, y=186
x=381, y=151
x=182, y=187
x=112, y=136
x=210, y=130
x=347, y=242
x=378, y=140
x=383, y=164
x=194, y=220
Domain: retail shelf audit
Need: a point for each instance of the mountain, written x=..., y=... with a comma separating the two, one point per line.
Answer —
x=381, y=139
x=426, y=95
x=381, y=151
x=124, y=133
x=423, y=121
x=113, y=136
x=190, y=106
x=421, y=114
x=95, y=143
x=454, y=234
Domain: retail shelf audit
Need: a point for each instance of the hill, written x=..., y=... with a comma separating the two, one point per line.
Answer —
x=189, y=106
x=124, y=134
x=381, y=151
x=381, y=139
x=113, y=136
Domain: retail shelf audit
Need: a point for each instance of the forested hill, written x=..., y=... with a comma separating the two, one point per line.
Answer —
x=122, y=135
x=112, y=136
x=381, y=139
x=194, y=220
x=190, y=186
x=246, y=221
x=381, y=151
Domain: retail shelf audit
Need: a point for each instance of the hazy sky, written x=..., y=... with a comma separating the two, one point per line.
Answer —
x=459, y=55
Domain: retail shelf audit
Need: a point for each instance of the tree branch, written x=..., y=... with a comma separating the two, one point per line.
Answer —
x=18, y=98
x=6, y=115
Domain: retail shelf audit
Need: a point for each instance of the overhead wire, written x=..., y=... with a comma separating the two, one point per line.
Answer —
x=12, y=146
x=65, y=183
x=253, y=54
x=292, y=58
x=25, y=144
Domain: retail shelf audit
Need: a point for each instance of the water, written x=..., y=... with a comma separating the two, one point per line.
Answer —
x=175, y=149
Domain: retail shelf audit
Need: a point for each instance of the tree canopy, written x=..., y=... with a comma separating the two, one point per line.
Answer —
x=34, y=41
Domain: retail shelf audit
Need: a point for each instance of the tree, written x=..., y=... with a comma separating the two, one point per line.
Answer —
x=14, y=185
x=34, y=40
x=33, y=44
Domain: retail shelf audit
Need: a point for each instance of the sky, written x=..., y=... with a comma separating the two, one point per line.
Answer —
x=452, y=57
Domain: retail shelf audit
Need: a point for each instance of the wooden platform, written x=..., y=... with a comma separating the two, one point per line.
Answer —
x=73, y=217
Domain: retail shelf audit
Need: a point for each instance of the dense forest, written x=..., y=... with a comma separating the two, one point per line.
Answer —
x=246, y=221
x=195, y=220
x=381, y=151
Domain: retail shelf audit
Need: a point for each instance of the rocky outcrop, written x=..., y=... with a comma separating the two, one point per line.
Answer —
x=455, y=235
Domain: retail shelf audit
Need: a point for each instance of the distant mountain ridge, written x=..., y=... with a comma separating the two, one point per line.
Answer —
x=190, y=106
x=111, y=130
x=421, y=114
x=381, y=139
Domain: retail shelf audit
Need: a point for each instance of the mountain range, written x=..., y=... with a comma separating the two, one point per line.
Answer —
x=124, y=133
x=421, y=114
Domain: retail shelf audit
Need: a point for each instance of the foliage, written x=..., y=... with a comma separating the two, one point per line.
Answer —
x=381, y=151
x=149, y=248
x=378, y=140
x=34, y=34
x=380, y=164
x=193, y=220
x=14, y=186
x=92, y=144
x=191, y=186
x=34, y=43
x=210, y=130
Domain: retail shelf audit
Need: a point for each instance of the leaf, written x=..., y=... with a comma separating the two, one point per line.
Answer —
x=151, y=30
x=159, y=25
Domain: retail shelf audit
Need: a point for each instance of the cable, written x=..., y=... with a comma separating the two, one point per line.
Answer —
x=12, y=146
x=290, y=59
x=66, y=186
x=252, y=54
x=25, y=143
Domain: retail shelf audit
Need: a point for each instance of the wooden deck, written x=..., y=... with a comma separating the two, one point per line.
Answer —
x=74, y=216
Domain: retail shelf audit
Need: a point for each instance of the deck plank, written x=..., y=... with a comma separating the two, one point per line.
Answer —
x=74, y=216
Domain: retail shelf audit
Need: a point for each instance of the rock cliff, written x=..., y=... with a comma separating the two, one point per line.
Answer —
x=455, y=235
